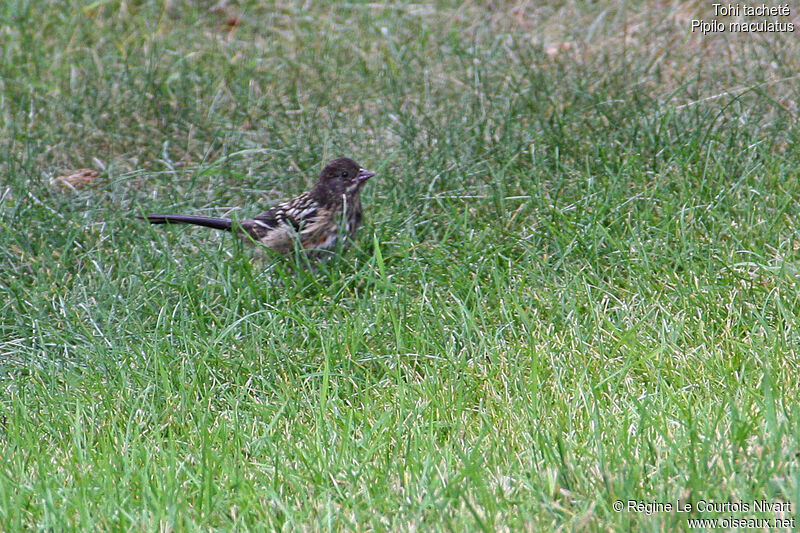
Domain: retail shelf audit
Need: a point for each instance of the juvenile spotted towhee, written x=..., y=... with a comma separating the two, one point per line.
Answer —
x=313, y=221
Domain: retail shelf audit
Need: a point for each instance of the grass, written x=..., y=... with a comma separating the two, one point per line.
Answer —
x=576, y=282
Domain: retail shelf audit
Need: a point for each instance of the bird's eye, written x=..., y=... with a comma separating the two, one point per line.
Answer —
x=345, y=174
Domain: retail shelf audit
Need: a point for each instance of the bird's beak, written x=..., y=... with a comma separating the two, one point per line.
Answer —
x=364, y=175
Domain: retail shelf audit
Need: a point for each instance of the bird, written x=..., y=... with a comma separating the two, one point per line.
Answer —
x=315, y=221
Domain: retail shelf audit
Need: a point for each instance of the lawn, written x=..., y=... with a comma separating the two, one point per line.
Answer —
x=576, y=282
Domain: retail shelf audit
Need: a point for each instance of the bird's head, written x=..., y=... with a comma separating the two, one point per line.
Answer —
x=343, y=176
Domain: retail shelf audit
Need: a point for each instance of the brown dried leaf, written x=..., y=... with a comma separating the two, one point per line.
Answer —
x=232, y=21
x=77, y=179
x=555, y=49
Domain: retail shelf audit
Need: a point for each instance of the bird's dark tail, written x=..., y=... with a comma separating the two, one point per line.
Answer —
x=208, y=222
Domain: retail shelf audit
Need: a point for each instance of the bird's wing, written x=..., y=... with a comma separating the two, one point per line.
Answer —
x=279, y=227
